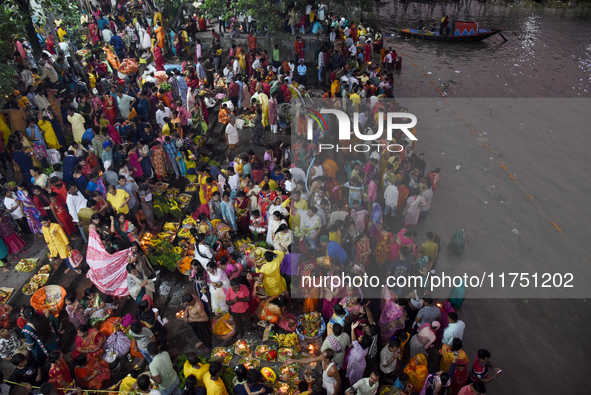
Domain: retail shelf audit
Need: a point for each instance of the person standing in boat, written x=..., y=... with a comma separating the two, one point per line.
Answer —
x=443, y=25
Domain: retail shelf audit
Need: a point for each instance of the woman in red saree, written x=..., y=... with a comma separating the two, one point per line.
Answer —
x=59, y=372
x=192, y=79
x=266, y=196
x=252, y=41
x=202, y=24
x=91, y=373
x=249, y=60
x=367, y=50
x=49, y=44
x=109, y=108
x=158, y=59
x=89, y=341
x=93, y=32
x=434, y=176
x=114, y=134
x=241, y=207
x=62, y=216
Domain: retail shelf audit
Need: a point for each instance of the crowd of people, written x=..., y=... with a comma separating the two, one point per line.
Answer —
x=108, y=135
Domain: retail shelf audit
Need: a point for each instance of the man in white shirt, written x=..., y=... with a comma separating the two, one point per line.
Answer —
x=236, y=67
x=320, y=66
x=289, y=183
x=339, y=213
x=209, y=101
x=125, y=102
x=76, y=202
x=233, y=182
x=389, y=357
x=312, y=223
x=454, y=330
x=391, y=198
x=366, y=386
x=162, y=113
x=297, y=174
x=14, y=207
x=332, y=35
x=229, y=74
x=65, y=48
x=107, y=34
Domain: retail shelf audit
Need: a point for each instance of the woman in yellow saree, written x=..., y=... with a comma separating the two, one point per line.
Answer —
x=417, y=371
x=50, y=137
x=202, y=179
x=264, y=100
x=447, y=354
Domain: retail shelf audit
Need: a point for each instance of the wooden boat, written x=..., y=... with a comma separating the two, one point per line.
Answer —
x=461, y=32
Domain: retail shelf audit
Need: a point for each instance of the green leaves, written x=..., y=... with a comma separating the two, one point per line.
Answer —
x=266, y=13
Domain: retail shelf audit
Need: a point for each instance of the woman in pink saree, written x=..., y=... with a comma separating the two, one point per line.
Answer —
x=93, y=32
x=158, y=59
x=134, y=161
x=391, y=320
x=402, y=238
x=107, y=271
x=331, y=296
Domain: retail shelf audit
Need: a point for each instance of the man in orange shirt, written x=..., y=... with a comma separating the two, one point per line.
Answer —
x=59, y=188
x=296, y=49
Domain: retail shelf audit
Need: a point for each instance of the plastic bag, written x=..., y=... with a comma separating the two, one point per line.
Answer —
x=119, y=342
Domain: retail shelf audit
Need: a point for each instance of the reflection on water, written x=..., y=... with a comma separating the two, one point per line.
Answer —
x=548, y=53
x=529, y=37
x=585, y=65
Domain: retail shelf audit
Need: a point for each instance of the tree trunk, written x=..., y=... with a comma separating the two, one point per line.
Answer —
x=30, y=29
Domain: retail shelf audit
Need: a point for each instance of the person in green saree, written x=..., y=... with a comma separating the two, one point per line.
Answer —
x=458, y=242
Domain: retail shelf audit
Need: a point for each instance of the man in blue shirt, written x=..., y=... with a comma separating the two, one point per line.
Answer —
x=334, y=249
x=169, y=147
x=23, y=161
x=302, y=69
x=34, y=134
x=88, y=135
x=103, y=22
x=69, y=162
x=277, y=176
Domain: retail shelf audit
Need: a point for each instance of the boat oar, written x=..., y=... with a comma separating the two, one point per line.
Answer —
x=501, y=34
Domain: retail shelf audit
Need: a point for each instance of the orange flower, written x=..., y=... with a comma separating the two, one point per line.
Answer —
x=530, y=197
x=503, y=166
x=511, y=177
